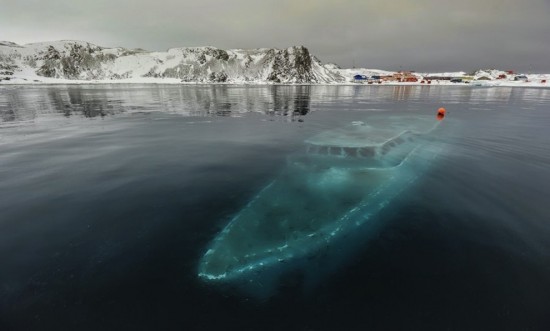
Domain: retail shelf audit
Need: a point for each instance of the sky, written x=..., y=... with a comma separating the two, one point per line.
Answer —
x=420, y=35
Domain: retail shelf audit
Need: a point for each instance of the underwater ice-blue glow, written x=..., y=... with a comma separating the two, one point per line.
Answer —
x=328, y=192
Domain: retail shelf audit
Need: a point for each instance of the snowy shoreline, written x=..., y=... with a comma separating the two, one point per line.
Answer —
x=19, y=82
x=69, y=62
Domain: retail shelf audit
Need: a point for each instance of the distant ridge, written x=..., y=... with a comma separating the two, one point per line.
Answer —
x=83, y=61
x=73, y=61
x=8, y=43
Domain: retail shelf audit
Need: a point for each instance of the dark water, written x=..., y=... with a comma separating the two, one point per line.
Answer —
x=110, y=194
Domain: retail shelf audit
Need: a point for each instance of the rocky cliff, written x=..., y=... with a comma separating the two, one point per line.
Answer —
x=83, y=61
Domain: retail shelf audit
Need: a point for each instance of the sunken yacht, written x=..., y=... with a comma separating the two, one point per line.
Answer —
x=323, y=201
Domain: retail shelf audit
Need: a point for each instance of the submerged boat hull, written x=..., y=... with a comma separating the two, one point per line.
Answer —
x=318, y=201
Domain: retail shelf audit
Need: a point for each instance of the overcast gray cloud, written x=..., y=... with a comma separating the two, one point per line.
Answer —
x=423, y=35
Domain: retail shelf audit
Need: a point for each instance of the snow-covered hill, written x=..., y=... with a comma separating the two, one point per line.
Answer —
x=83, y=61
x=70, y=61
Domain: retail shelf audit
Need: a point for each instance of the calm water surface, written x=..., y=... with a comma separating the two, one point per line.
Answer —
x=109, y=196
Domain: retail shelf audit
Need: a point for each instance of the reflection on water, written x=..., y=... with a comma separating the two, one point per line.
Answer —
x=28, y=103
x=448, y=95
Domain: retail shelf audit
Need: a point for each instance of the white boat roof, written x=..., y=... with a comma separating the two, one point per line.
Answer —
x=372, y=132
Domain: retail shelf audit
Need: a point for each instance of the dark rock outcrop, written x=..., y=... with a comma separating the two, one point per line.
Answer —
x=75, y=60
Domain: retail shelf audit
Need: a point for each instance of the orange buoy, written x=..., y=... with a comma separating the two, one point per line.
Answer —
x=440, y=114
